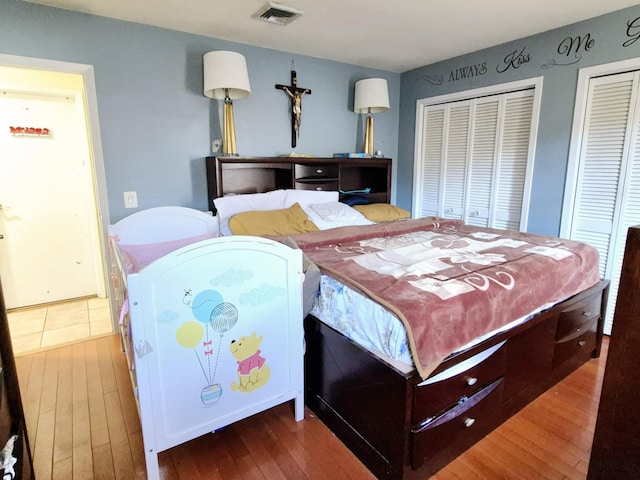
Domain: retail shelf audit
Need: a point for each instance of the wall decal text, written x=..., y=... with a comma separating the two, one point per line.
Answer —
x=467, y=72
x=514, y=60
x=633, y=32
x=433, y=79
x=572, y=49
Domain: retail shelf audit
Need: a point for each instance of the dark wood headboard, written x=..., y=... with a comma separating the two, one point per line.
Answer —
x=370, y=177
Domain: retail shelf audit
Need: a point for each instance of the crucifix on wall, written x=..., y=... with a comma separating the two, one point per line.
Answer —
x=295, y=93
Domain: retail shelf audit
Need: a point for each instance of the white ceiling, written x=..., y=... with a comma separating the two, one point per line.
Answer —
x=392, y=35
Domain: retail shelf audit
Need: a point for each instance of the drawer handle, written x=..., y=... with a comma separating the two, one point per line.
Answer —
x=582, y=343
x=319, y=171
x=586, y=314
x=472, y=381
x=318, y=188
x=468, y=422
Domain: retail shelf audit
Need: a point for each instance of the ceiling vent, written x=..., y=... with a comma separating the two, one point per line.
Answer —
x=277, y=13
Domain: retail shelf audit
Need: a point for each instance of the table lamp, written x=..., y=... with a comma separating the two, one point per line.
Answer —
x=371, y=96
x=226, y=78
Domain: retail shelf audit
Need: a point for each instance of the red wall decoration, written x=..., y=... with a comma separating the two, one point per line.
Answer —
x=29, y=131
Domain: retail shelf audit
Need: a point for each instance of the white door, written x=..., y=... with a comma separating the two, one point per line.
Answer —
x=47, y=213
x=607, y=197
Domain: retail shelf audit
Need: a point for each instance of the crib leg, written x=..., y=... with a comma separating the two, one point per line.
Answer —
x=153, y=469
x=299, y=407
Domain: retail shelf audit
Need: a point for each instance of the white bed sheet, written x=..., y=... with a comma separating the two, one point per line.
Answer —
x=372, y=326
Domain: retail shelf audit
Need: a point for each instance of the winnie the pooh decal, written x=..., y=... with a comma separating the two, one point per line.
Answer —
x=253, y=371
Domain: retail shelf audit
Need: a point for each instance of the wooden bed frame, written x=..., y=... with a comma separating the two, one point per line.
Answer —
x=402, y=427
x=376, y=410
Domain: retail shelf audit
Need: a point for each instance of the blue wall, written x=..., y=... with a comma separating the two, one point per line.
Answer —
x=156, y=125
x=549, y=55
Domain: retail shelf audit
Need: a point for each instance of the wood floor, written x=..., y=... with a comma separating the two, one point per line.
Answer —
x=83, y=424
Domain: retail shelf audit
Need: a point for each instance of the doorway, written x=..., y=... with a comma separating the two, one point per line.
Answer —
x=52, y=178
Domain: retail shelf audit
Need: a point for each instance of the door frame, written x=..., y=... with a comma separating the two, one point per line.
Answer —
x=94, y=143
x=577, y=133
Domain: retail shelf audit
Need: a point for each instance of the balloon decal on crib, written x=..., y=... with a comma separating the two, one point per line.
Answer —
x=211, y=312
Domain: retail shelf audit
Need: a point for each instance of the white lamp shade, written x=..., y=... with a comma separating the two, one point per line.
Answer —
x=225, y=70
x=371, y=94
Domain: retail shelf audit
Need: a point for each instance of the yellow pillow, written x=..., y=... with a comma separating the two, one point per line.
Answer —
x=286, y=221
x=382, y=212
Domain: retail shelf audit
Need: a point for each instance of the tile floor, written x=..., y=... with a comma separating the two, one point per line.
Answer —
x=52, y=325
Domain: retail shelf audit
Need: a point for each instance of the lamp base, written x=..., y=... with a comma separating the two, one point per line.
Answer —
x=228, y=130
x=368, y=135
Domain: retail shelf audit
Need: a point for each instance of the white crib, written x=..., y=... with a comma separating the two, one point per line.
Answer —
x=213, y=331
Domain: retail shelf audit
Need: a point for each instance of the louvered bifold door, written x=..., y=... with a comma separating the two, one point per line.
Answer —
x=513, y=162
x=431, y=161
x=444, y=160
x=457, y=138
x=483, y=162
x=628, y=205
x=609, y=182
x=476, y=160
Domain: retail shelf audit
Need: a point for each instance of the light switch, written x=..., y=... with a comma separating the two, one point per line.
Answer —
x=130, y=200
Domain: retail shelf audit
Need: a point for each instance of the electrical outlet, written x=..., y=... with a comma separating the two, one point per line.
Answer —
x=215, y=145
x=130, y=200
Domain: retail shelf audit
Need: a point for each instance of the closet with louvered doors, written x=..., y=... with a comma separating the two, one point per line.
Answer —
x=475, y=159
x=607, y=194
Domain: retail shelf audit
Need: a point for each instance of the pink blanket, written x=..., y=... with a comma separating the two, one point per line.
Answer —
x=450, y=283
x=136, y=257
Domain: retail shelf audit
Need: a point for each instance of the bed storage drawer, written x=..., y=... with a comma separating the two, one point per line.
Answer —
x=462, y=425
x=579, y=345
x=574, y=319
x=463, y=380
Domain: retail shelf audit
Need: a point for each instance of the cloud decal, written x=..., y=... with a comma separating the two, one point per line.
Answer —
x=167, y=317
x=231, y=277
x=263, y=294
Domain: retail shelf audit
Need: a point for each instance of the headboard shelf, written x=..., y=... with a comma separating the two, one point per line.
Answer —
x=240, y=175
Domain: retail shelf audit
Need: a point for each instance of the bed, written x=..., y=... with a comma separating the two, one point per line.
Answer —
x=211, y=326
x=403, y=413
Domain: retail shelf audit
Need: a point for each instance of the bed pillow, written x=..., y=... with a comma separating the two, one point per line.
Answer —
x=230, y=205
x=334, y=214
x=284, y=221
x=306, y=197
x=382, y=212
